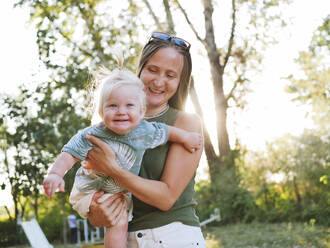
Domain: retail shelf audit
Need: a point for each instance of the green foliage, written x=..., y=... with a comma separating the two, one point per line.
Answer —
x=51, y=221
x=84, y=32
x=302, y=164
x=30, y=148
x=204, y=198
x=51, y=213
x=321, y=38
x=7, y=233
x=313, y=87
x=287, y=178
x=236, y=204
x=279, y=235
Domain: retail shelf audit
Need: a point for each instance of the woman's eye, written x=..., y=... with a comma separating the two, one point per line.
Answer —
x=170, y=76
x=151, y=70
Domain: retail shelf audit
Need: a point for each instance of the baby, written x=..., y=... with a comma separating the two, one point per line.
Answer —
x=122, y=105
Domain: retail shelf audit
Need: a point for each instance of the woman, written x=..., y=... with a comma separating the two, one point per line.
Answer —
x=164, y=214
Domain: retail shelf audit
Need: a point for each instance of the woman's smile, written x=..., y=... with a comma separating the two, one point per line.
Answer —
x=155, y=91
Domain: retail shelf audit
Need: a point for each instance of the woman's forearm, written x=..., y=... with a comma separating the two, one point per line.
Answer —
x=176, y=176
x=152, y=192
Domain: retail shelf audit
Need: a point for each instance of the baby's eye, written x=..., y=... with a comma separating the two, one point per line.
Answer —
x=130, y=105
x=112, y=105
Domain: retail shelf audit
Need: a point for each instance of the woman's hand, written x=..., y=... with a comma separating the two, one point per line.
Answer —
x=107, y=213
x=101, y=157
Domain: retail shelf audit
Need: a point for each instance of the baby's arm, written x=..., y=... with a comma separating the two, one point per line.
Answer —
x=54, y=179
x=191, y=141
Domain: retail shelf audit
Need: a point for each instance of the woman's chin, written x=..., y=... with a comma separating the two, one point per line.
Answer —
x=155, y=101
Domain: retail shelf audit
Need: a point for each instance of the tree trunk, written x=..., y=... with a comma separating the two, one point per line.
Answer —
x=64, y=222
x=209, y=150
x=211, y=156
x=169, y=18
x=8, y=212
x=298, y=197
x=217, y=79
x=35, y=206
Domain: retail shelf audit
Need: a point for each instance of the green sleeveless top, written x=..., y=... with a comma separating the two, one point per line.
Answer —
x=146, y=216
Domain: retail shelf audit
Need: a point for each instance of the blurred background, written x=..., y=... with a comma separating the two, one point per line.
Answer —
x=264, y=102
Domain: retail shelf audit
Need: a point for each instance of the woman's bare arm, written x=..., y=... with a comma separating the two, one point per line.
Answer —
x=176, y=176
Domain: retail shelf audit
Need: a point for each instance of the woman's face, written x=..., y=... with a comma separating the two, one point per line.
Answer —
x=161, y=76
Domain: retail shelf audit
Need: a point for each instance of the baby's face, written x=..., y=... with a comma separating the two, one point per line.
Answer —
x=122, y=110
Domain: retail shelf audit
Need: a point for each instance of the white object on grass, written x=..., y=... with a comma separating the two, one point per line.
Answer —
x=214, y=217
x=34, y=234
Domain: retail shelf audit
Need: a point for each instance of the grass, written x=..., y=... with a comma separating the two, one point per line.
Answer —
x=260, y=235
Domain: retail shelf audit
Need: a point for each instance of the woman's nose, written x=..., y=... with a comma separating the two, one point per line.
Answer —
x=159, y=81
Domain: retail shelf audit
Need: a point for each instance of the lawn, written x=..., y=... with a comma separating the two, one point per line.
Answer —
x=259, y=235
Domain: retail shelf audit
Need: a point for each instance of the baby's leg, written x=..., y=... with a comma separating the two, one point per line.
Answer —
x=116, y=236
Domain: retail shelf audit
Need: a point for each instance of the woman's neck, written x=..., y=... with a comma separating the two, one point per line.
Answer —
x=154, y=112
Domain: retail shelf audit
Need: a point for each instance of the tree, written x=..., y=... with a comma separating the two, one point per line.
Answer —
x=303, y=161
x=41, y=121
x=289, y=179
x=23, y=178
x=83, y=34
x=312, y=88
x=33, y=140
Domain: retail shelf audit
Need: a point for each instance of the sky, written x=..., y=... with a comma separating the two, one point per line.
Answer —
x=270, y=112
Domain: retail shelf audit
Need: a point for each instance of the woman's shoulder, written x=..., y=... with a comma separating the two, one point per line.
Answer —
x=188, y=120
x=185, y=116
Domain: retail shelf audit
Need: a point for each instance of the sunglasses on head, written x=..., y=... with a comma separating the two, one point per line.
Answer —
x=176, y=40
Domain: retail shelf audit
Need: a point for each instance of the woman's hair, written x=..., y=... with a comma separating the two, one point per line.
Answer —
x=110, y=80
x=178, y=100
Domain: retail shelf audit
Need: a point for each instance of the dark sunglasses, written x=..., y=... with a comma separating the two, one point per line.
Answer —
x=177, y=41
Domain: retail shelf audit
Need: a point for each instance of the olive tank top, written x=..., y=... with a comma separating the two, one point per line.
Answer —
x=146, y=216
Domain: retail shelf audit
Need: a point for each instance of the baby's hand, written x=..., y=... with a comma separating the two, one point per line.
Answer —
x=193, y=141
x=51, y=183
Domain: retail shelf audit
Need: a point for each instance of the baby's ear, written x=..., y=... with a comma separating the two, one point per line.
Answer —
x=101, y=114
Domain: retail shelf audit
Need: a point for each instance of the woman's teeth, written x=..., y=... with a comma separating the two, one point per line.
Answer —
x=156, y=91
